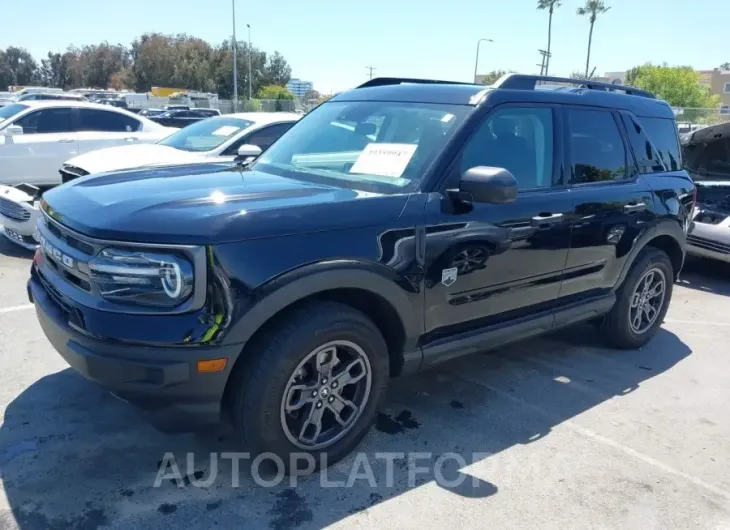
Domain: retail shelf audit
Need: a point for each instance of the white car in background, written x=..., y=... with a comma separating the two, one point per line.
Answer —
x=216, y=139
x=36, y=137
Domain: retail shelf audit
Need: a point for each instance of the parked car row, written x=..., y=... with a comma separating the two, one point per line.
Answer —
x=43, y=161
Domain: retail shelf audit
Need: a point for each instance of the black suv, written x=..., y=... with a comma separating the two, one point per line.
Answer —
x=400, y=224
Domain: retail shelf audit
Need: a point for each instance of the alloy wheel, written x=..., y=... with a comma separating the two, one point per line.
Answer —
x=647, y=300
x=326, y=395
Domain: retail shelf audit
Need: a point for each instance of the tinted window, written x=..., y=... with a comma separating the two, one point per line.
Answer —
x=597, y=150
x=267, y=136
x=663, y=135
x=46, y=121
x=647, y=158
x=517, y=139
x=101, y=120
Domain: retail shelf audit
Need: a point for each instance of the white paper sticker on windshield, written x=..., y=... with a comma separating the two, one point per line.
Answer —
x=226, y=130
x=385, y=160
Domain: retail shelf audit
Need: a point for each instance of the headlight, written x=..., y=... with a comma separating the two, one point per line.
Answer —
x=141, y=277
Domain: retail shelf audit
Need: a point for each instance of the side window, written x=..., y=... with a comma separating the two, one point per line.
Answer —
x=105, y=121
x=519, y=139
x=262, y=138
x=268, y=135
x=48, y=121
x=597, y=149
x=647, y=157
x=663, y=134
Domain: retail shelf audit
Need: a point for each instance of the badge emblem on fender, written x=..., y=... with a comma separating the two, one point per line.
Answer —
x=448, y=276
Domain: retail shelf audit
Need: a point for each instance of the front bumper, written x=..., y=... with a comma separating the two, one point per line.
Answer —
x=163, y=382
x=22, y=233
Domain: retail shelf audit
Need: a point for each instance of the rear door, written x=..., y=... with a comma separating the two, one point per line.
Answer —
x=49, y=139
x=612, y=203
x=100, y=128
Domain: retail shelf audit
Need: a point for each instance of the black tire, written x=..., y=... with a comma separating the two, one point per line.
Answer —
x=616, y=327
x=258, y=386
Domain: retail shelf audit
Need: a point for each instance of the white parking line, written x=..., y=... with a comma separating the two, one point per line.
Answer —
x=700, y=322
x=16, y=308
x=588, y=433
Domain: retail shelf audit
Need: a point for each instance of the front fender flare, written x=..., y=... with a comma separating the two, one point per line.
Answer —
x=309, y=280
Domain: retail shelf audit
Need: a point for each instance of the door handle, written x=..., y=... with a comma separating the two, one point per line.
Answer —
x=544, y=220
x=634, y=208
x=66, y=141
x=130, y=139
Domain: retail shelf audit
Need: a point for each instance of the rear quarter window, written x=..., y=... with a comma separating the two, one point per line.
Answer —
x=663, y=134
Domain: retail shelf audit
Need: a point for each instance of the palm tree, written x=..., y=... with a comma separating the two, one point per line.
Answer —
x=592, y=9
x=550, y=5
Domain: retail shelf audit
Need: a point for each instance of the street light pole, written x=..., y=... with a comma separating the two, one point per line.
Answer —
x=235, y=60
x=250, y=71
x=476, y=62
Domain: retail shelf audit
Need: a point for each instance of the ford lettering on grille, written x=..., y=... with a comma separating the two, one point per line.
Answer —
x=56, y=254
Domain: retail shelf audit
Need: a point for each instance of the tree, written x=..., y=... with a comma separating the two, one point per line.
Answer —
x=679, y=86
x=276, y=98
x=17, y=67
x=725, y=66
x=592, y=9
x=550, y=5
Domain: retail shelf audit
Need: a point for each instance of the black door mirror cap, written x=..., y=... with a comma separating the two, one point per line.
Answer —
x=494, y=185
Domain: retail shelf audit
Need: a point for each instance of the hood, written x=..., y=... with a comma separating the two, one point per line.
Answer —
x=706, y=153
x=132, y=156
x=210, y=203
x=16, y=194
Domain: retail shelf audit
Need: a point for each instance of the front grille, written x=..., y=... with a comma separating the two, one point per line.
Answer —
x=13, y=210
x=66, y=253
x=708, y=244
x=69, y=173
x=69, y=239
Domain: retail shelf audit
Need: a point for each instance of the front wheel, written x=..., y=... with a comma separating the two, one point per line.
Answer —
x=641, y=302
x=313, y=386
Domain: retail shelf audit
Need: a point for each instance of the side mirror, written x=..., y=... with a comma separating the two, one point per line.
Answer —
x=488, y=184
x=13, y=130
x=248, y=151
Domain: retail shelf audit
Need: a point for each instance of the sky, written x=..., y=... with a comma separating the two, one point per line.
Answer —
x=332, y=42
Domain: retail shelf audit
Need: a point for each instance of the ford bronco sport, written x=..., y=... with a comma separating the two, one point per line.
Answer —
x=400, y=224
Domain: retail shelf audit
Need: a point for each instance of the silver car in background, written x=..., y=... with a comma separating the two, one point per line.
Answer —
x=706, y=154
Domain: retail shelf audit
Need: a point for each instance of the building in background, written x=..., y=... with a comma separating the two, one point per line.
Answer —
x=718, y=81
x=298, y=87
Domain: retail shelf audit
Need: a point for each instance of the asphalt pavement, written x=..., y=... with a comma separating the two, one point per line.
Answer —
x=556, y=432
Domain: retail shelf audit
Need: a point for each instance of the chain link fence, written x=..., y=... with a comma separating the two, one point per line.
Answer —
x=694, y=118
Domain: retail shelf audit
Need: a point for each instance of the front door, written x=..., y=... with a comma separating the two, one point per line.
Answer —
x=493, y=262
x=49, y=139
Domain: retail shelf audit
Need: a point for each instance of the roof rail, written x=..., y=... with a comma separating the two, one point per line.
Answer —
x=529, y=82
x=383, y=81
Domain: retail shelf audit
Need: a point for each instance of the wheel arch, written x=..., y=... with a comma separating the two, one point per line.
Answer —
x=373, y=290
x=667, y=237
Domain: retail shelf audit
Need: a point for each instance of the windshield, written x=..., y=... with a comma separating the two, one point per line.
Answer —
x=9, y=111
x=384, y=147
x=206, y=135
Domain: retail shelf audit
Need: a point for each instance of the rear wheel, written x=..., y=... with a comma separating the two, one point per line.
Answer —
x=641, y=302
x=313, y=386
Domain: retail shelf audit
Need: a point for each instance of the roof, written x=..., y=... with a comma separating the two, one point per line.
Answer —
x=514, y=87
x=454, y=94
